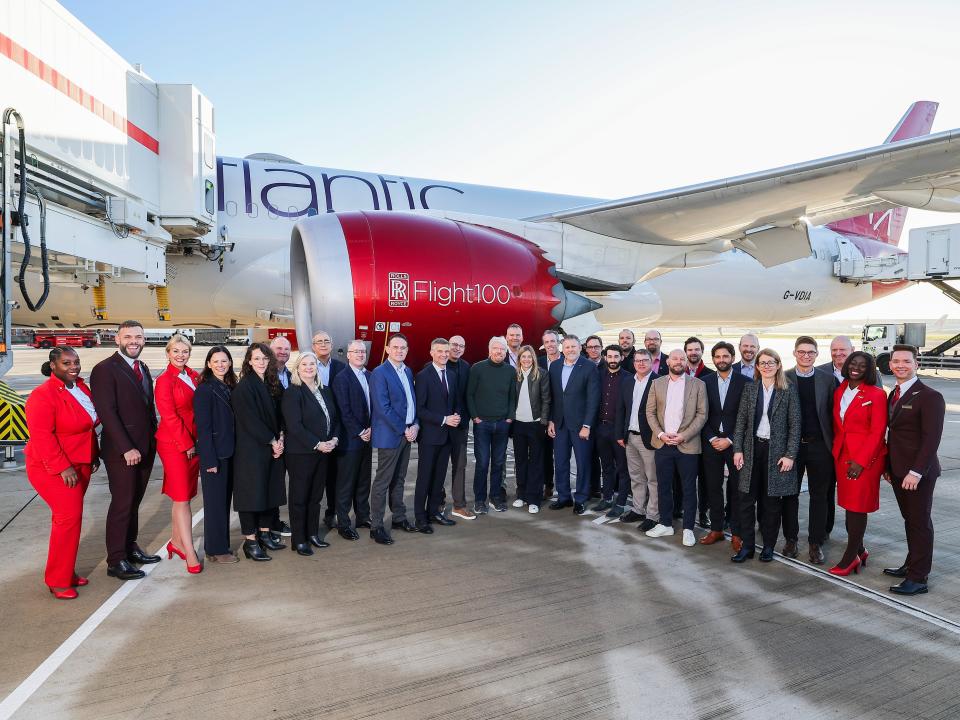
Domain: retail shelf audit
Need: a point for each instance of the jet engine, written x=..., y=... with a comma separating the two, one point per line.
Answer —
x=367, y=275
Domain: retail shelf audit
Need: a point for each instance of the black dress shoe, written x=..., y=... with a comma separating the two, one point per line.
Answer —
x=425, y=529
x=303, y=549
x=317, y=542
x=900, y=572
x=909, y=587
x=646, y=524
x=364, y=524
x=123, y=570
x=744, y=555
x=631, y=516
x=283, y=530
x=442, y=520
x=348, y=534
x=270, y=540
x=253, y=550
x=704, y=521
x=404, y=525
x=381, y=537
x=141, y=558
x=579, y=509
x=766, y=555
x=561, y=504
x=329, y=521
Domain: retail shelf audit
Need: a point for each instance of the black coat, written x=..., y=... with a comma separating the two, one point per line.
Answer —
x=353, y=408
x=305, y=423
x=433, y=405
x=257, y=476
x=213, y=413
x=625, y=408
x=726, y=415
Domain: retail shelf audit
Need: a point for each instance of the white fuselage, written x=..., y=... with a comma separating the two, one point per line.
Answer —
x=260, y=201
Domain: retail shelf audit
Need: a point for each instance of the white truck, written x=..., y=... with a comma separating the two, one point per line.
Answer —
x=879, y=339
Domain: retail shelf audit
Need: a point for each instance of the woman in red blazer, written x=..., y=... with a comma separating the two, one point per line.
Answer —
x=61, y=455
x=177, y=446
x=859, y=451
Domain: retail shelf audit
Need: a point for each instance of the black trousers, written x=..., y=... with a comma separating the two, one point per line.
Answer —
x=816, y=460
x=915, y=507
x=308, y=477
x=128, y=483
x=354, y=472
x=772, y=505
x=713, y=465
x=330, y=485
x=252, y=521
x=432, y=463
x=548, y=463
x=217, y=491
x=613, y=465
x=528, y=444
x=831, y=503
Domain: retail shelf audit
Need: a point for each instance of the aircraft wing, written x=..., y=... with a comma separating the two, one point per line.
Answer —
x=921, y=172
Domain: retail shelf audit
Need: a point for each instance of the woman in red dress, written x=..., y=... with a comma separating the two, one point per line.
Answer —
x=859, y=452
x=177, y=446
x=61, y=455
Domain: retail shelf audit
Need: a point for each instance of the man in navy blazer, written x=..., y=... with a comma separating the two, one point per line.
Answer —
x=575, y=389
x=352, y=392
x=328, y=367
x=724, y=389
x=393, y=415
x=438, y=409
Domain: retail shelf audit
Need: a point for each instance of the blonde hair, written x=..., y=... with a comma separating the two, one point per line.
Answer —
x=295, y=372
x=779, y=380
x=535, y=370
x=178, y=339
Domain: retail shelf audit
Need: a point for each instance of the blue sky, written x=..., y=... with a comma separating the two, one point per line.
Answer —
x=605, y=99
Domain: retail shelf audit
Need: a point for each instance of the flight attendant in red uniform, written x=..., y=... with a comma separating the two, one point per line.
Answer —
x=859, y=451
x=177, y=446
x=61, y=455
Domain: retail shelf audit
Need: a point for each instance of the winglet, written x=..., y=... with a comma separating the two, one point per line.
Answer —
x=887, y=226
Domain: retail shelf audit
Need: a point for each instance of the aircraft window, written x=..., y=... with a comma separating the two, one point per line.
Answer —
x=231, y=208
x=877, y=332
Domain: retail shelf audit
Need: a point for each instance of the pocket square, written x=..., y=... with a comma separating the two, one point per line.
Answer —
x=868, y=402
x=906, y=407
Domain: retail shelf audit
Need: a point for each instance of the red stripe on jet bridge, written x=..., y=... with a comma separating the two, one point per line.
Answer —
x=59, y=82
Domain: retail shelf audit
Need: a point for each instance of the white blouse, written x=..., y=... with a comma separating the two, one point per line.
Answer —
x=186, y=378
x=848, y=395
x=85, y=402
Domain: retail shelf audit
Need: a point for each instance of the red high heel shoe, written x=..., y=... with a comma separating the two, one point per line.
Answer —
x=174, y=550
x=79, y=581
x=68, y=594
x=863, y=557
x=195, y=569
x=851, y=568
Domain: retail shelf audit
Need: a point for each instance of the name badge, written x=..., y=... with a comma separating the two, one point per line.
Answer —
x=906, y=407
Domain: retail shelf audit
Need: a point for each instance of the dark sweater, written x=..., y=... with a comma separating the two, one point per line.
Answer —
x=809, y=422
x=492, y=391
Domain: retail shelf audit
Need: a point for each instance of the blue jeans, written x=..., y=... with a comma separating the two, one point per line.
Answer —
x=668, y=458
x=490, y=450
x=567, y=440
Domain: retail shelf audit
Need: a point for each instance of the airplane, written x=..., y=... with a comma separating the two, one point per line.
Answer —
x=363, y=255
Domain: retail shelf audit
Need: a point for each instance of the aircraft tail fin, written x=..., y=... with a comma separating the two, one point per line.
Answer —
x=887, y=226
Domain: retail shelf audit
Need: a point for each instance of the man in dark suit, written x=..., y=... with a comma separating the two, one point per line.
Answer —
x=551, y=353
x=393, y=414
x=815, y=457
x=280, y=345
x=724, y=388
x=123, y=396
x=916, y=413
x=352, y=392
x=575, y=390
x=652, y=341
x=439, y=411
x=633, y=434
x=613, y=457
x=328, y=367
x=693, y=349
x=460, y=369
x=627, y=341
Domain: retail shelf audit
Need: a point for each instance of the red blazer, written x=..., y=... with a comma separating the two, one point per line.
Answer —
x=863, y=428
x=61, y=432
x=174, y=400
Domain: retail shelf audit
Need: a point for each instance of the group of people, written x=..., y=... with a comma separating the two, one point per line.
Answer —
x=654, y=436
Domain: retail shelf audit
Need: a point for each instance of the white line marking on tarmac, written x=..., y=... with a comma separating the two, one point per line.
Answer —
x=38, y=677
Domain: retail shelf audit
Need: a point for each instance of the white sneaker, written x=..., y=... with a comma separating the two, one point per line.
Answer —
x=533, y=509
x=659, y=530
x=518, y=503
x=689, y=539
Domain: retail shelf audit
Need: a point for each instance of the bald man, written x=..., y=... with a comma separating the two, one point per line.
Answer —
x=749, y=347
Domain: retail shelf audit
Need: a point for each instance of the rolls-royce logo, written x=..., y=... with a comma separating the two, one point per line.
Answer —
x=399, y=292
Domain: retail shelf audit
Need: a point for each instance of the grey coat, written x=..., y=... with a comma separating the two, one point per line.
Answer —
x=784, y=414
x=824, y=386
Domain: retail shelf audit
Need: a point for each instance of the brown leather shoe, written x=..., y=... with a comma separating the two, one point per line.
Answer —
x=711, y=537
x=789, y=549
x=228, y=559
x=736, y=544
x=816, y=554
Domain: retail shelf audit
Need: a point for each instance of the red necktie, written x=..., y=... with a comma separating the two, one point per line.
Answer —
x=896, y=395
x=137, y=371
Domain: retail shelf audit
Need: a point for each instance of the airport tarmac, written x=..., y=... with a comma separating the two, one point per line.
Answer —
x=508, y=616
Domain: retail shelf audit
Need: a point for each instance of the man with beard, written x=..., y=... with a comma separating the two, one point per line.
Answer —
x=514, y=341
x=613, y=457
x=626, y=339
x=693, y=348
x=723, y=388
x=122, y=393
x=676, y=412
x=460, y=369
x=749, y=347
x=652, y=341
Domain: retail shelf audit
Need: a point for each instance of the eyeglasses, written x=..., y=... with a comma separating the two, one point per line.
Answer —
x=357, y=352
x=321, y=342
x=806, y=352
x=767, y=363
x=593, y=347
x=457, y=345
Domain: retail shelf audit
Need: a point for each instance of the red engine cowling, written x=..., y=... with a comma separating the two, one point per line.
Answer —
x=368, y=274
